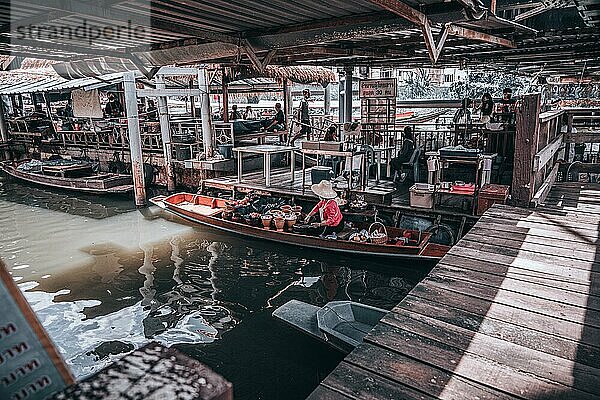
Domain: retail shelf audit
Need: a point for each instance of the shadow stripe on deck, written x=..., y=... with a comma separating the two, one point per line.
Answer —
x=511, y=312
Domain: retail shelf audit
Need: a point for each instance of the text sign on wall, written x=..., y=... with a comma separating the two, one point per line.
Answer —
x=377, y=88
x=30, y=366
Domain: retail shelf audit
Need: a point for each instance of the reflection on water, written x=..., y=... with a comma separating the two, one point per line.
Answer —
x=104, y=278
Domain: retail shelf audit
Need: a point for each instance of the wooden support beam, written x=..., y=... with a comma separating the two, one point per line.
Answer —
x=165, y=132
x=526, y=142
x=256, y=62
x=135, y=141
x=403, y=10
x=269, y=57
x=467, y=33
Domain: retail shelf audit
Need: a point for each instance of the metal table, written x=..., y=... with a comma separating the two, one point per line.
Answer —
x=266, y=150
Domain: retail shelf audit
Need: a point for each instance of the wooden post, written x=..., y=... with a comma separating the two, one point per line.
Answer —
x=225, y=91
x=348, y=94
x=165, y=133
x=205, y=114
x=526, y=143
x=327, y=100
x=135, y=141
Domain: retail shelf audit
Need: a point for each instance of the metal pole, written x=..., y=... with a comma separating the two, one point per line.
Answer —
x=327, y=100
x=341, y=101
x=3, y=127
x=348, y=94
x=135, y=141
x=288, y=104
x=207, y=131
x=225, y=91
x=165, y=133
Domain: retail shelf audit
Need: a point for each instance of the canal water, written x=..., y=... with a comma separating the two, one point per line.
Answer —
x=105, y=278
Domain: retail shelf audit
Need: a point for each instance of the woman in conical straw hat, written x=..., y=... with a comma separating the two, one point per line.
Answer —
x=330, y=215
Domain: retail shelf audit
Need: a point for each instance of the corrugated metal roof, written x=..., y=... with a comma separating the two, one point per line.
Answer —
x=58, y=84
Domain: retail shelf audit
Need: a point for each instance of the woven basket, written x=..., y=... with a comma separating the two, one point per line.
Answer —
x=378, y=233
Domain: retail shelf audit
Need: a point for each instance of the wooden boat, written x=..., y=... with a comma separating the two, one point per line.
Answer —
x=340, y=324
x=76, y=176
x=208, y=211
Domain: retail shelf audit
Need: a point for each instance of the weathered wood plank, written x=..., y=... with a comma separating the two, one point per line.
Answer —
x=581, y=299
x=361, y=384
x=551, y=308
x=589, y=266
x=520, y=358
x=324, y=393
x=478, y=322
x=469, y=366
x=523, y=263
x=568, y=233
x=509, y=271
x=506, y=313
x=547, y=248
x=419, y=375
x=537, y=236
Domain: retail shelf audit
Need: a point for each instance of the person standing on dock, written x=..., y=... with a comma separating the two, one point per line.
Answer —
x=304, y=117
x=330, y=215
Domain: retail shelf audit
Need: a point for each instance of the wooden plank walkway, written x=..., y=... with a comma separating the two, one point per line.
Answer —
x=511, y=312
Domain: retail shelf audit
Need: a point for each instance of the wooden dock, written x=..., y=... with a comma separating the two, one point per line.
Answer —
x=380, y=193
x=511, y=312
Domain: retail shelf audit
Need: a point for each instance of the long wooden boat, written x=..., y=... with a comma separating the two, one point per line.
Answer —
x=206, y=210
x=76, y=179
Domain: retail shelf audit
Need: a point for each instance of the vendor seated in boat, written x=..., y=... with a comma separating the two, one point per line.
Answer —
x=330, y=215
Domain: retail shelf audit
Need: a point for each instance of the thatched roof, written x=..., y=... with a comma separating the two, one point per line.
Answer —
x=298, y=74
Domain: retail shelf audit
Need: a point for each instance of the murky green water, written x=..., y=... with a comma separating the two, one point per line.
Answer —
x=105, y=278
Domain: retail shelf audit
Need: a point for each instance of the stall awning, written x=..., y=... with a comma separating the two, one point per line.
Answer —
x=56, y=84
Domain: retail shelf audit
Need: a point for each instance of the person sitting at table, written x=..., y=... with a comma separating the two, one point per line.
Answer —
x=234, y=114
x=331, y=134
x=330, y=215
x=113, y=108
x=277, y=123
x=250, y=114
x=403, y=156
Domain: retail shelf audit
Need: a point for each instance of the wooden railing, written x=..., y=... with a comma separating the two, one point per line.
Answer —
x=542, y=142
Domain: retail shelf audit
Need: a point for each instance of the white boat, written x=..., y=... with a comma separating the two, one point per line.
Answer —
x=340, y=324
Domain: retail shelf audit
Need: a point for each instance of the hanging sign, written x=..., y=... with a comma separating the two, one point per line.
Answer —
x=377, y=88
x=30, y=366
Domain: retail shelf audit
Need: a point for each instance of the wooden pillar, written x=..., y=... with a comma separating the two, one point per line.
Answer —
x=205, y=114
x=135, y=141
x=165, y=133
x=327, y=100
x=225, y=91
x=348, y=94
x=526, y=142
x=288, y=103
